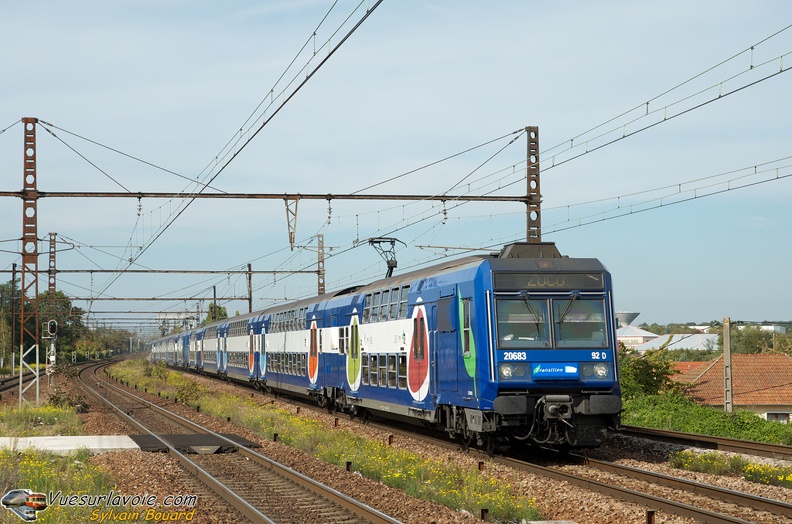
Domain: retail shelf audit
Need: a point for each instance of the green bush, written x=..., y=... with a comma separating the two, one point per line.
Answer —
x=644, y=374
x=677, y=413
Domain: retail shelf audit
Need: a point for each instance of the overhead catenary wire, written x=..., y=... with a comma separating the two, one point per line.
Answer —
x=720, y=95
x=187, y=203
x=433, y=215
x=122, y=153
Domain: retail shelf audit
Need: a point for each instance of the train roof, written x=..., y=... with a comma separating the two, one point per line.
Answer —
x=517, y=250
x=511, y=256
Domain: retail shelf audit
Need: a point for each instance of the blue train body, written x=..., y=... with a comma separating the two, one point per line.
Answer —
x=518, y=347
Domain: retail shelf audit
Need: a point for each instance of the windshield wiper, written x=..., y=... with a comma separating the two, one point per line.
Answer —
x=524, y=295
x=575, y=295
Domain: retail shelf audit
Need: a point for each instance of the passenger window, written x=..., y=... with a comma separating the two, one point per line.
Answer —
x=403, y=302
x=373, y=369
x=385, y=305
x=466, y=333
x=367, y=308
x=391, y=371
x=383, y=371
x=394, y=307
x=402, y=371
x=375, y=302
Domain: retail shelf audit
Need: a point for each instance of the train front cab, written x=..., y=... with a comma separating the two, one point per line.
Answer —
x=553, y=344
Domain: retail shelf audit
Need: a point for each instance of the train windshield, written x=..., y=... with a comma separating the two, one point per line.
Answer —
x=523, y=323
x=580, y=323
x=576, y=323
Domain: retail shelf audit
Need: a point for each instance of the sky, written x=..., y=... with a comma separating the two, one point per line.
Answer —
x=664, y=135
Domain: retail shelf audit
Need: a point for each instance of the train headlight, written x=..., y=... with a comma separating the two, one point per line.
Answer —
x=506, y=371
x=601, y=370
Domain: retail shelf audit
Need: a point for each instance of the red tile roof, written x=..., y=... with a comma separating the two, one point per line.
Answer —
x=684, y=367
x=762, y=379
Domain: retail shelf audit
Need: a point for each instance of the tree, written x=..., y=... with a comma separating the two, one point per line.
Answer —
x=751, y=339
x=689, y=355
x=68, y=317
x=681, y=329
x=7, y=345
x=748, y=340
x=644, y=374
x=782, y=344
x=215, y=313
x=657, y=329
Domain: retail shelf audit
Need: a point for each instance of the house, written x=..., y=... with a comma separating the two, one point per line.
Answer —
x=684, y=367
x=698, y=341
x=761, y=383
x=632, y=336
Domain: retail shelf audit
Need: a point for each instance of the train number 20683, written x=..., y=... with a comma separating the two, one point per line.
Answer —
x=515, y=355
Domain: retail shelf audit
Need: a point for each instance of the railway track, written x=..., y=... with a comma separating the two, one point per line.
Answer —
x=685, y=498
x=712, y=504
x=261, y=490
x=650, y=490
x=746, y=447
x=745, y=500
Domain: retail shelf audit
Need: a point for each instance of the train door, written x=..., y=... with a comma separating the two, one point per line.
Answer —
x=313, y=354
x=251, y=360
x=199, y=351
x=420, y=361
x=446, y=347
x=434, y=334
x=191, y=351
x=333, y=361
x=222, y=357
x=262, y=350
x=185, y=363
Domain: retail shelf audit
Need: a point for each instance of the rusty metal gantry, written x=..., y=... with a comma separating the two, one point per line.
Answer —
x=29, y=313
x=533, y=195
x=30, y=195
x=29, y=285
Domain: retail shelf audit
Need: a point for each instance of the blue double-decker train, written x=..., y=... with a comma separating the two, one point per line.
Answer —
x=517, y=347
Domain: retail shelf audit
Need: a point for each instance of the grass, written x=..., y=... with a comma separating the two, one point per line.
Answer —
x=720, y=464
x=43, y=472
x=38, y=422
x=424, y=478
